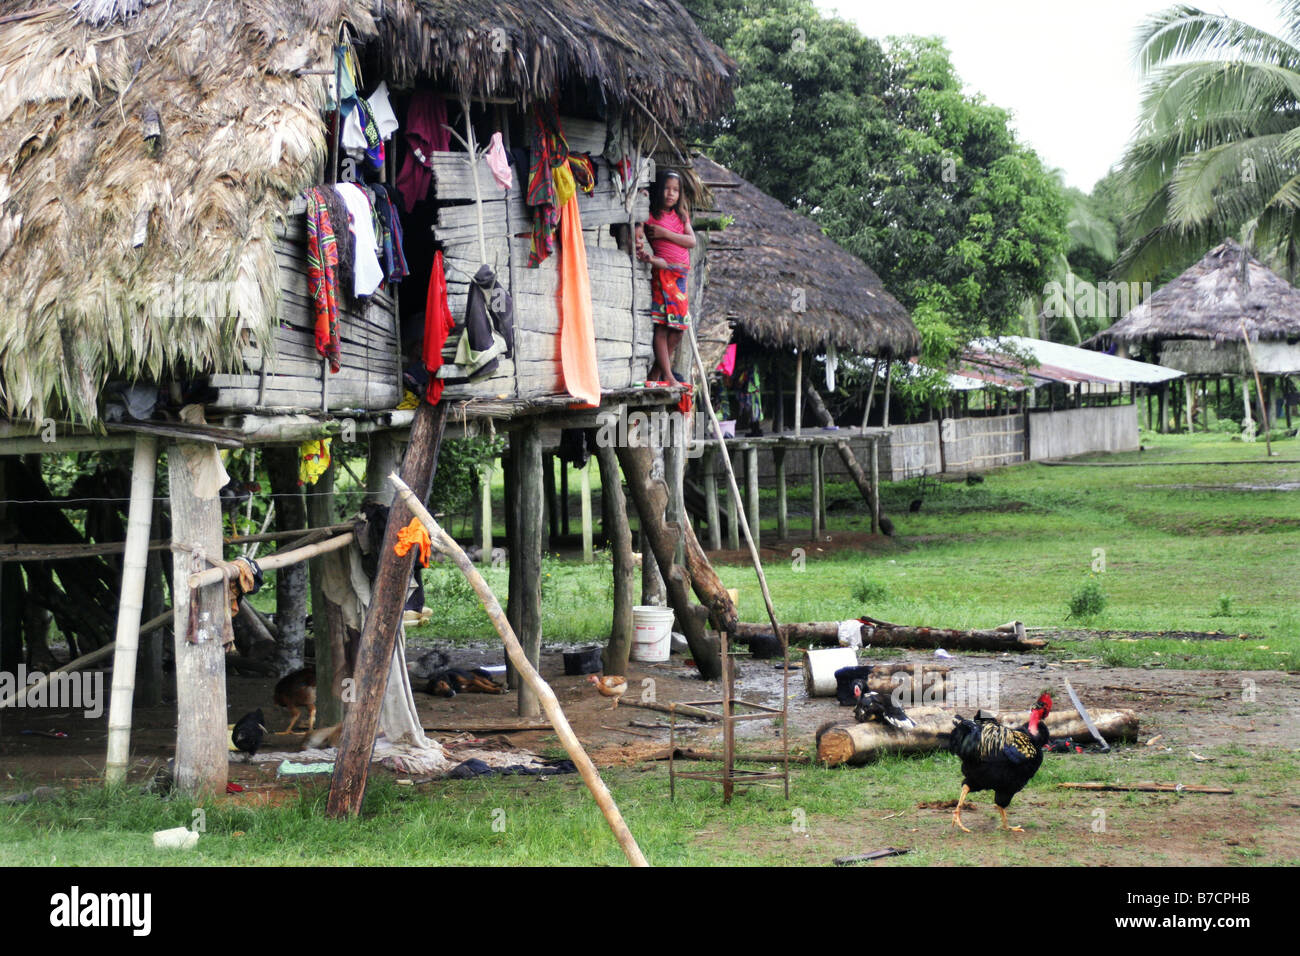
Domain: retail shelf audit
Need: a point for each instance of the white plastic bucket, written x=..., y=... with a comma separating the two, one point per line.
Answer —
x=652, y=633
x=819, y=670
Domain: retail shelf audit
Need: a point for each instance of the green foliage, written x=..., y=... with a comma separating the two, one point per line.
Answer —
x=1088, y=601
x=1225, y=606
x=868, y=590
x=460, y=461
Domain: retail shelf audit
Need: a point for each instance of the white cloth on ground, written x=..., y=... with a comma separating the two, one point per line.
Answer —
x=850, y=634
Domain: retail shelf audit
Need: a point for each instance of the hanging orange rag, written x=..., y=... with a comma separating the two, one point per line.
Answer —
x=414, y=534
x=577, y=327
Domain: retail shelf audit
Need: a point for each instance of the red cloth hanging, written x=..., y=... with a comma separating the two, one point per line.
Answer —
x=438, y=324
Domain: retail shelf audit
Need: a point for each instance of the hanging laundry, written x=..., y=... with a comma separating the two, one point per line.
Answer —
x=417, y=536
x=438, y=324
x=313, y=460
x=322, y=278
x=548, y=151
x=393, y=258
x=360, y=214
x=832, y=365
x=489, y=306
x=498, y=162
x=728, y=364
x=382, y=110
x=426, y=134
x=578, y=365
x=583, y=170
x=360, y=132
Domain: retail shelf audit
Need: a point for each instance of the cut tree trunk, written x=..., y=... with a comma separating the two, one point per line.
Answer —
x=290, y=582
x=650, y=494
x=619, y=536
x=854, y=743
x=379, y=636
x=826, y=634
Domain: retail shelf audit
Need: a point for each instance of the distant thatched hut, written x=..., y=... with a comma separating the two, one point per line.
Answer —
x=1199, y=322
x=151, y=157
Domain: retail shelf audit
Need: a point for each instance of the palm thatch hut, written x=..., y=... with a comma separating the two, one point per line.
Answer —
x=153, y=162
x=1227, y=316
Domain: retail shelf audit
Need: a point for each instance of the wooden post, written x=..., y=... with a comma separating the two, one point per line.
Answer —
x=619, y=536
x=380, y=460
x=1188, y=391
x=584, y=474
x=733, y=508
x=201, y=747
x=326, y=617
x=782, y=502
x=139, y=520
x=707, y=464
x=821, y=483
x=485, y=514
x=148, y=669
x=675, y=473
x=564, y=495
x=550, y=501
x=1259, y=391
x=534, y=682
x=798, y=391
x=1163, y=411
x=889, y=376
x=291, y=583
x=751, y=489
x=871, y=392
x=525, y=608
x=650, y=494
x=379, y=635
x=815, y=481
x=875, y=482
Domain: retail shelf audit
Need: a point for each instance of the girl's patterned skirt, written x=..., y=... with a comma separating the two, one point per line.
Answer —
x=668, y=303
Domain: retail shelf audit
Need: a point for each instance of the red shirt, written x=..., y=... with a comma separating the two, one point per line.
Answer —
x=670, y=252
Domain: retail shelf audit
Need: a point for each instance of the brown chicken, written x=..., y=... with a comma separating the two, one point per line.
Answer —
x=614, y=687
x=296, y=691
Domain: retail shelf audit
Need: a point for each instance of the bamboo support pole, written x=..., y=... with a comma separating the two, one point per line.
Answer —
x=485, y=544
x=554, y=713
x=212, y=575
x=130, y=607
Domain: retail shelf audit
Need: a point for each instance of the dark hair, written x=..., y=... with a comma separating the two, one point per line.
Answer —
x=657, y=207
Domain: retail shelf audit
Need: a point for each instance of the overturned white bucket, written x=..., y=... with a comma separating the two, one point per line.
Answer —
x=819, y=671
x=652, y=633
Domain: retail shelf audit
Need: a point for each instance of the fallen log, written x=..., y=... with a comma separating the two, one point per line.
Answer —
x=883, y=634
x=853, y=743
x=1145, y=787
x=682, y=710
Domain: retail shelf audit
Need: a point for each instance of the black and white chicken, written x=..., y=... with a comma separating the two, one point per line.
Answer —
x=872, y=705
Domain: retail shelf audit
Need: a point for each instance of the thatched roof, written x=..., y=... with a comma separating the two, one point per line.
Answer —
x=647, y=50
x=1210, y=300
x=108, y=238
x=767, y=254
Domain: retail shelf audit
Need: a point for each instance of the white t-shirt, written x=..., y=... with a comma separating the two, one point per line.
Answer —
x=368, y=271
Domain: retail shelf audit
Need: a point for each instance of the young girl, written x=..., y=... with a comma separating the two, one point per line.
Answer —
x=671, y=239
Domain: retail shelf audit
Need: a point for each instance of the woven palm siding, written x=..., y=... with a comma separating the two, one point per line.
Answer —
x=100, y=224
x=759, y=263
x=1209, y=301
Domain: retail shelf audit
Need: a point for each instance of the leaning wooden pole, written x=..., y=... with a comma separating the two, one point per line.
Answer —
x=379, y=635
x=130, y=607
x=444, y=543
x=1259, y=391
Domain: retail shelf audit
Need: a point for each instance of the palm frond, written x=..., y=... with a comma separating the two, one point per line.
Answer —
x=1184, y=31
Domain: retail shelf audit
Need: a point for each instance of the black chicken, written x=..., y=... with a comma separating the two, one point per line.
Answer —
x=247, y=733
x=875, y=706
x=998, y=758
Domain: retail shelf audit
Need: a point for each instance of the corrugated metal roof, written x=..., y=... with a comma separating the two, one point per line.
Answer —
x=1057, y=363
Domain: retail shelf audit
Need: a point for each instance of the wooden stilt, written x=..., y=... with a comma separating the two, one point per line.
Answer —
x=584, y=475
x=148, y=661
x=139, y=520
x=815, y=482
x=291, y=587
x=707, y=464
x=1189, y=390
x=326, y=617
x=751, y=490
x=798, y=391
x=889, y=376
x=821, y=483
x=674, y=474
x=782, y=502
x=875, y=484
x=619, y=536
x=1162, y=409
x=380, y=460
x=564, y=495
x=733, y=508
x=485, y=514
x=871, y=392
x=550, y=501
x=198, y=616
x=525, y=607
x=379, y=635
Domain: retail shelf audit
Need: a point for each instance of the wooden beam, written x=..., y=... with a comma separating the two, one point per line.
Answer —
x=139, y=519
x=751, y=491
x=379, y=635
x=199, y=623
x=525, y=607
x=782, y=499
x=814, y=458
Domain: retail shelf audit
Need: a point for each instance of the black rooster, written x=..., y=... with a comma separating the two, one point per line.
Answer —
x=998, y=758
x=247, y=733
x=875, y=706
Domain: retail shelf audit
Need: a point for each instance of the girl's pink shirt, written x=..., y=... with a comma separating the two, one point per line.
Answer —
x=670, y=252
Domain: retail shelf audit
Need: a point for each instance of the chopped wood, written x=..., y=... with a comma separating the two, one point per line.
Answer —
x=1145, y=787
x=871, y=855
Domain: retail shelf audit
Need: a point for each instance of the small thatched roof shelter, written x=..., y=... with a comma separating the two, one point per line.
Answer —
x=148, y=150
x=1195, y=323
x=769, y=260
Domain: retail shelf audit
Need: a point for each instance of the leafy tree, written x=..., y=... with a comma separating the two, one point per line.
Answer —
x=1217, y=151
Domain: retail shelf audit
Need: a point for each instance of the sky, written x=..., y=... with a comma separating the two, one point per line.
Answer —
x=1064, y=69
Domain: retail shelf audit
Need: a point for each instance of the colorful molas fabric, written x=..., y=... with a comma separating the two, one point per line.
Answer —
x=548, y=150
x=668, y=305
x=438, y=324
x=322, y=276
x=425, y=134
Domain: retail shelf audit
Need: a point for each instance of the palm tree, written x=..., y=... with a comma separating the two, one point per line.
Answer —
x=1217, y=149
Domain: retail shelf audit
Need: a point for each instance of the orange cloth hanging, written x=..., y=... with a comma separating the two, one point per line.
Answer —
x=414, y=534
x=577, y=327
